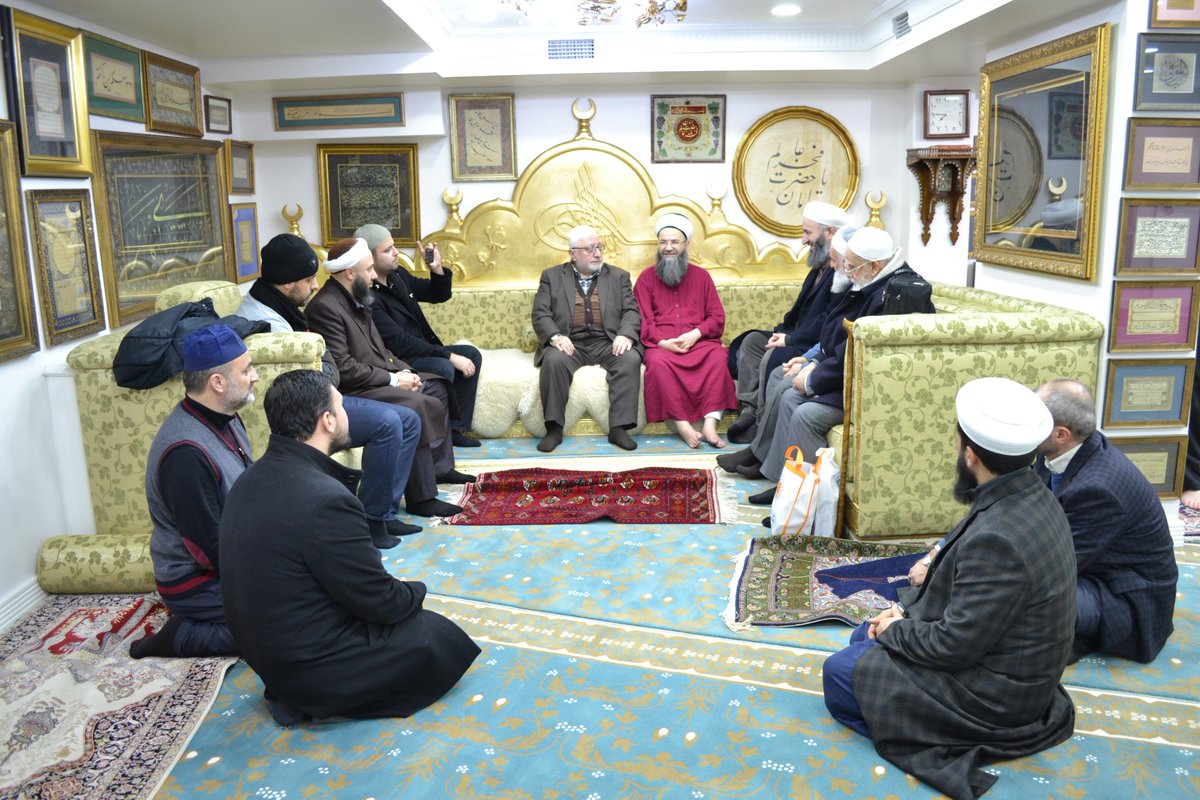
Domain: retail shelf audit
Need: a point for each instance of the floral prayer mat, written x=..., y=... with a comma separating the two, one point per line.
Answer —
x=801, y=580
x=79, y=717
x=1191, y=521
x=647, y=496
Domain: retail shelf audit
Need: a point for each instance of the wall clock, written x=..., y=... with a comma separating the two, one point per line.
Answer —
x=946, y=114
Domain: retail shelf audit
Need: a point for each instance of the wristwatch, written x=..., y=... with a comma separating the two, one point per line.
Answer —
x=927, y=560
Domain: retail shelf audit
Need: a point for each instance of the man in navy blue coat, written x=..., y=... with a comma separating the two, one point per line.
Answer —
x=1123, y=547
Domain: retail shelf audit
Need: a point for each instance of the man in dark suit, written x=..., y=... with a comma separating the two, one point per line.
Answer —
x=340, y=313
x=406, y=332
x=966, y=669
x=584, y=313
x=326, y=627
x=1123, y=547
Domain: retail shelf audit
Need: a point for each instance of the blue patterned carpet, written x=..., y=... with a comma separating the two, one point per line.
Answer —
x=607, y=673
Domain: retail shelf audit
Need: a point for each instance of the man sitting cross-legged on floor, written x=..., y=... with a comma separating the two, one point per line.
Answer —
x=1123, y=550
x=318, y=617
x=196, y=456
x=340, y=312
x=386, y=432
x=584, y=313
x=966, y=670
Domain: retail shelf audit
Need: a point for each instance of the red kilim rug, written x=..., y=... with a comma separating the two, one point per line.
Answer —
x=652, y=495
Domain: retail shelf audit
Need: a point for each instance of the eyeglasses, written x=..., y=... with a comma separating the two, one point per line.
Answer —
x=856, y=268
x=591, y=248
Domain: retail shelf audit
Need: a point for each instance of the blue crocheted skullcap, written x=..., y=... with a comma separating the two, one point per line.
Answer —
x=210, y=347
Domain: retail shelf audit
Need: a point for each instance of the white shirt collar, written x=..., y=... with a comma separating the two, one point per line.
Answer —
x=1059, y=465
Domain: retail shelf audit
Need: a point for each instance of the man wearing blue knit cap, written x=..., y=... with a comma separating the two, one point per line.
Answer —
x=198, y=453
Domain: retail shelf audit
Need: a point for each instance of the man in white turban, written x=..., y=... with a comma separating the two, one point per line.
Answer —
x=686, y=376
x=755, y=353
x=966, y=669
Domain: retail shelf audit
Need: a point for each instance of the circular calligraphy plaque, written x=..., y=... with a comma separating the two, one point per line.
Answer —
x=788, y=157
x=1015, y=170
x=688, y=130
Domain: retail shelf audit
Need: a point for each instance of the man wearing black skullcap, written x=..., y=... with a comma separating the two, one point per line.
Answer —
x=198, y=453
x=387, y=433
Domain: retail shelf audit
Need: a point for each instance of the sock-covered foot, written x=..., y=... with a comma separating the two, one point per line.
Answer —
x=460, y=439
x=621, y=438
x=161, y=644
x=552, y=439
x=751, y=471
x=739, y=458
x=454, y=476
x=380, y=536
x=763, y=498
x=433, y=507
x=743, y=428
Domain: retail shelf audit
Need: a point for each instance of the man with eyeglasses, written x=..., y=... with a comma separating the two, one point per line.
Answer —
x=584, y=313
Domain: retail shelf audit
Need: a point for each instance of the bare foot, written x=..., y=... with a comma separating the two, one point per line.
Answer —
x=687, y=433
x=709, y=433
x=1191, y=498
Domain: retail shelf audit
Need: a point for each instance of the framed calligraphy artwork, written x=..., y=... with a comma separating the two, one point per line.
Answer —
x=687, y=128
x=1153, y=316
x=47, y=94
x=64, y=254
x=1175, y=13
x=361, y=183
x=483, y=145
x=1032, y=214
x=172, y=95
x=245, y=240
x=788, y=157
x=1162, y=154
x=18, y=335
x=114, y=78
x=239, y=166
x=1158, y=237
x=1167, y=79
x=166, y=218
x=218, y=114
x=1148, y=392
x=1160, y=458
x=338, y=111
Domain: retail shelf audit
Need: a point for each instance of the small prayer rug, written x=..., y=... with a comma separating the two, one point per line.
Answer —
x=805, y=579
x=1191, y=521
x=647, y=496
x=79, y=717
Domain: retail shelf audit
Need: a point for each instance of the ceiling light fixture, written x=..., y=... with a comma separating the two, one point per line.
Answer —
x=598, y=12
x=785, y=10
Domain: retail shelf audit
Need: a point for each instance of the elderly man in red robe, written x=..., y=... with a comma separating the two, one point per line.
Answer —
x=682, y=321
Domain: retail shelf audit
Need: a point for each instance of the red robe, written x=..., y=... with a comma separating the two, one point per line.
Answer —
x=689, y=385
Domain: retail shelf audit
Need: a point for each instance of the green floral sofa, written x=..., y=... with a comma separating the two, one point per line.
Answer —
x=118, y=426
x=897, y=448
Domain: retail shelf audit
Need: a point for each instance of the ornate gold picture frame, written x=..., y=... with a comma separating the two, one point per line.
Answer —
x=483, y=137
x=64, y=252
x=788, y=157
x=18, y=336
x=172, y=91
x=1035, y=214
x=369, y=183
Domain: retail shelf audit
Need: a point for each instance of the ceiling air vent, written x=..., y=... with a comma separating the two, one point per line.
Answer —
x=571, y=49
x=900, y=26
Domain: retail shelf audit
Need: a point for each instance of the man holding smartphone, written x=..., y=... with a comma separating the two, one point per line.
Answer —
x=406, y=332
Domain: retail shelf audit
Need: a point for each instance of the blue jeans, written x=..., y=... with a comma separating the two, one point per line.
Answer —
x=464, y=387
x=839, y=687
x=388, y=435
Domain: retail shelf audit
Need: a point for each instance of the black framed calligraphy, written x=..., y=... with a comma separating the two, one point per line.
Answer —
x=362, y=183
x=788, y=157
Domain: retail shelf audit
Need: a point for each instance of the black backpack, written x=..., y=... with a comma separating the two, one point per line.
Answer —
x=907, y=293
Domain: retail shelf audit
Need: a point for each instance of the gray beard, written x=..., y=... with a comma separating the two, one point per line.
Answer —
x=672, y=269
x=840, y=283
x=818, y=252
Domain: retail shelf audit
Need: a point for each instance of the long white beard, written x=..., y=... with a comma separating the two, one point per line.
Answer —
x=840, y=283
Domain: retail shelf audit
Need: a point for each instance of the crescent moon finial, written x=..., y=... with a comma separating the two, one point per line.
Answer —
x=452, y=196
x=293, y=220
x=875, y=205
x=584, y=130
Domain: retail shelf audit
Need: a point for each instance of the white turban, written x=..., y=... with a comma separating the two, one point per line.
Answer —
x=349, y=258
x=872, y=244
x=826, y=214
x=677, y=221
x=579, y=233
x=1062, y=212
x=1003, y=416
x=841, y=237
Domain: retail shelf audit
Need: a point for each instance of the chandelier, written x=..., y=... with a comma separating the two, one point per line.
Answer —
x=596, y=12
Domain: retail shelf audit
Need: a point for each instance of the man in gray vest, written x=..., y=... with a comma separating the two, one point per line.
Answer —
x=198, y=453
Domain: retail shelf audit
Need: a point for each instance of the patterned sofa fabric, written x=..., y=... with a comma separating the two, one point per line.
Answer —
x=902, y=379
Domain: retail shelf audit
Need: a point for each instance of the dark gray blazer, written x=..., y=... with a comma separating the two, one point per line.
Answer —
x=554, y=304
x=972, y=675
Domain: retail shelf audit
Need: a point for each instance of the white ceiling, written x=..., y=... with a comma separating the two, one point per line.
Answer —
x=255, y=43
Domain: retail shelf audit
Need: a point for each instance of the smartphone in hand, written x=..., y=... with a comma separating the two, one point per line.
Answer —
x=429, y=256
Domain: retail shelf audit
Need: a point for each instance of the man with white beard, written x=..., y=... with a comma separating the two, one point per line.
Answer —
x=682, y=321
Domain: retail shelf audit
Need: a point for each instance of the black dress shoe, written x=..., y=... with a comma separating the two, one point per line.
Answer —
x=621, y=438
x=433, y=507
x=739, y=458
x=763, y=498
x=743, y=428
x=454, y=476
x=380, y=535
x=460, y=439
x=751, y=471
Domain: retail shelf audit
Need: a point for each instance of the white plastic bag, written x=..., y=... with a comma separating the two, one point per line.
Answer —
x=806, y=498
